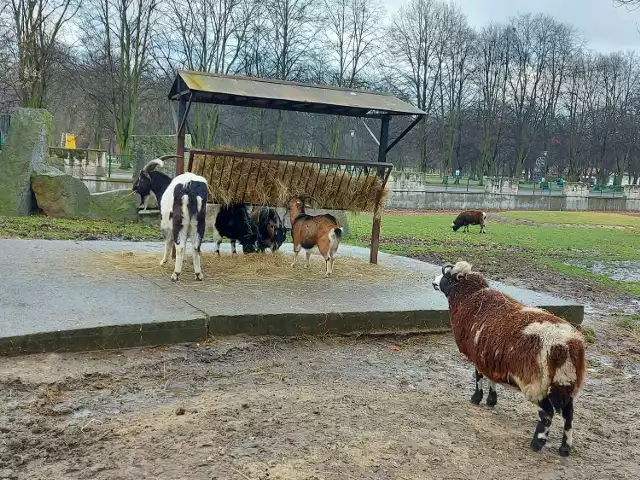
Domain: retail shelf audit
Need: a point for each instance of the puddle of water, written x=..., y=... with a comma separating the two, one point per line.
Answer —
x=620, y=271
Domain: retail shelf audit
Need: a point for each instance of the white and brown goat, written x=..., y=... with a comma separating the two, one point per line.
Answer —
x=321, y=232
x=528, y=348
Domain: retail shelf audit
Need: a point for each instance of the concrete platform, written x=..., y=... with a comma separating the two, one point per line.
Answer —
x=47, y=306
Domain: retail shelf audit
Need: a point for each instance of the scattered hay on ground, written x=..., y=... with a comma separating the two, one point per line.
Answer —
x=237, y=179
x=242, y=270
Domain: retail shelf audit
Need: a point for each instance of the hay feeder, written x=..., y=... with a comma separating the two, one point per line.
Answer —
x=261, y=179
x=271, y=180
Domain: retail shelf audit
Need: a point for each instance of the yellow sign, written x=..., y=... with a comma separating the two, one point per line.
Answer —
x=70, y=141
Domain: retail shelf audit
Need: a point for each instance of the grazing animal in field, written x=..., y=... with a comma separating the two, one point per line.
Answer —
x=184, y=209
x=233, y=222
x=528, y=348
x=149, y=180
x=470, y=217
x=271, y=230
x=308, y=232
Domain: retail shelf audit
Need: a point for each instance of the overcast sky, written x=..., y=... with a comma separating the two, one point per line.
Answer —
x=605, y=27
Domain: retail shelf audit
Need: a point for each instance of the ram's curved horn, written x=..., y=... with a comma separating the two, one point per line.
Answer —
x=150, y=166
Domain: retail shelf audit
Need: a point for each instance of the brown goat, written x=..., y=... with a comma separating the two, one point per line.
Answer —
x=470, y=217
x=528, y=348
x=321, y=231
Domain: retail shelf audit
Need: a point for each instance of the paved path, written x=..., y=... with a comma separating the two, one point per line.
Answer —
x=47, y=305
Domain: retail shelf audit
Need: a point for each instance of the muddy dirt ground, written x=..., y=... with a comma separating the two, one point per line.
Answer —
x=307, y=409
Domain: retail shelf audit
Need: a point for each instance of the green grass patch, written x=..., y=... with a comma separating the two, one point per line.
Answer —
x=509, y=246
x=588, y=333
x=629, y=322
x=576, y=218
x=63, y=229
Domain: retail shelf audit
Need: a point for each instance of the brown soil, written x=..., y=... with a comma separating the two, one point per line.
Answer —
x=308, y=409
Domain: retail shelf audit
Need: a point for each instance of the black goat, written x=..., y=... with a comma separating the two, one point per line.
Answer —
x=233, y=222
x=271, y=230
x=151, y=181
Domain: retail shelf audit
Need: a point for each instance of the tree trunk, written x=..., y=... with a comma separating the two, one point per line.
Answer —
x=279, y=134
x=336, y=128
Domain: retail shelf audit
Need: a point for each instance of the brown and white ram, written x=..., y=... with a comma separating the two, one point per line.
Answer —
x=310, y=232
x=470, y=217
x=528, y=348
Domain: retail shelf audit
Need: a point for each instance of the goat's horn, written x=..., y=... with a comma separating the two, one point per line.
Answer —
x=448, y=265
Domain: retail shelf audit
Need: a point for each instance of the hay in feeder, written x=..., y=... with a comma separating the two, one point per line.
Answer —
x=234, y=178
x=227, y=271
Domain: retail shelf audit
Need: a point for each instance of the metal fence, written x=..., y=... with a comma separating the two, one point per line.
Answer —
x=120, y=164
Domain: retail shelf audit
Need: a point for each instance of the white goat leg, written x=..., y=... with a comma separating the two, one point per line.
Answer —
x=168, y=244
x=307, y=254
x=180, y=247
x=196, y=241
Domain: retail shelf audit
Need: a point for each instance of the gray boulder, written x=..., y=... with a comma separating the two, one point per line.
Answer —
x=63, y=196
x=26, y=150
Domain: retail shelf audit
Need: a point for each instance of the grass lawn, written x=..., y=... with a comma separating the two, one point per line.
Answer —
x=517, y=243
x=60, y=229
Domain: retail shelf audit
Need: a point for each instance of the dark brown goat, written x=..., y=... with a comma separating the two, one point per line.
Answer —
x=271, y=230
x=321, y=231
x=528, y=348
x=470, y=217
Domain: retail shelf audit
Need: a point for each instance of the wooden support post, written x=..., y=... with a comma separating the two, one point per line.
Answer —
x=182, y=110
x=382, y=157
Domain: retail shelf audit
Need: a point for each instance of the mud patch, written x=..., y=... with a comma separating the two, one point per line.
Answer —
x=620, y=271
x=370, y=408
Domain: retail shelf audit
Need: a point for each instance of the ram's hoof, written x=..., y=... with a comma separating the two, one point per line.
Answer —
x=174, y=277
x=537, y=443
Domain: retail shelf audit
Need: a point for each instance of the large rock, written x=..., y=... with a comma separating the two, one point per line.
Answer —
x=60, y=195
x=63, y=196
x=26, y=150
x=114, y=205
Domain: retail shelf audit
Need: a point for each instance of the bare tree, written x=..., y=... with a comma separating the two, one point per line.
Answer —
x=353, y=45
x=210, y=36
x=492, y=75
x=563, y=47
x=415, y=39
x=116, y=49
x=293, y=26
x=30, y=31
x=456, y=71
